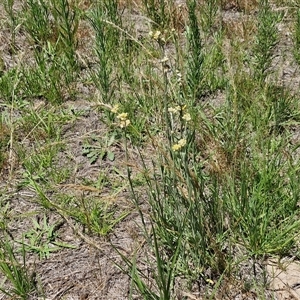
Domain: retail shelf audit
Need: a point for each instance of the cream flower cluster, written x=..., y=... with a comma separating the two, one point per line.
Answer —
x=157, y=36
x=173, y=110
x=181, y=143
x=122, y=117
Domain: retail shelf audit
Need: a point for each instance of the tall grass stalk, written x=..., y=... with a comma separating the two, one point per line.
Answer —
x=66, y=18
x=266, y=39
x=208, y=14
x=163, y=268
x=37, y=21
x=263, y=208
x=195, y=53
x=106, y=43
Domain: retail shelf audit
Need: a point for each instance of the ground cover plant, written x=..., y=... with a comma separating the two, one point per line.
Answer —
x=149, y=149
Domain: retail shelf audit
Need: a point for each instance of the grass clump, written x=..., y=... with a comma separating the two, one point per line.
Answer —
x=22, y=282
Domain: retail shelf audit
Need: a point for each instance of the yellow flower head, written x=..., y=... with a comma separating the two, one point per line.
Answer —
x=124, y=123
x=122, y=116
x=174, y=110
x=176, y=147
x=115, y=108
x=181, y=143
x=156, y=35
x=187, y=117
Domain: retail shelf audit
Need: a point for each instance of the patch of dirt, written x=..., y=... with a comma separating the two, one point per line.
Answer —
x=285, y=278
x=90, y=270
x=83, y=273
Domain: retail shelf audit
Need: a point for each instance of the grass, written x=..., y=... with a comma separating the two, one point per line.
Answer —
x=22, y=282
x=185, y=112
